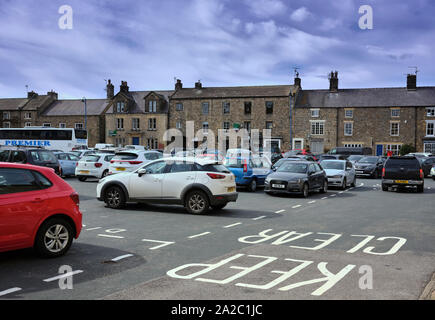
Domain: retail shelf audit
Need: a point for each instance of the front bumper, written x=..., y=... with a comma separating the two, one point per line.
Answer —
x=335, y=182
x=367, y=172
x=290, y=187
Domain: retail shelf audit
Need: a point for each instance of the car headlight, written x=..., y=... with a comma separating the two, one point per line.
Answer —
x=336, y=177
x=296, y=181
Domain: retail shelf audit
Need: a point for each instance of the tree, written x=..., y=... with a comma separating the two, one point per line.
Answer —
x=406, y=148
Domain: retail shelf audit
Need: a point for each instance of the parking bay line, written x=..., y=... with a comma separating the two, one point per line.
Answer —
x=280, y=211
x=8, y=291
x=233, y=225
x=65, y=275
x=259, y=218
x=311, y=202
x=91, y=229
x=297, y=206
x=121, y=257
x=199, y=235
x=163, y=243
x=108, y=236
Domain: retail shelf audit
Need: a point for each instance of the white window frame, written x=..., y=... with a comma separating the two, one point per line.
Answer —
x=6, y=124
x=135, y=124
x=46, y=125
x=321, y=131
x=224, y=105
x=120, y=107
x=348, y=116
x=205, y=127
x=28, y=115
x=432, y=122
x=79, y=125
x=120, y=123
x=395, y=148
x=315, y=113
x=392, y=113
x=353, y=145
x=430, y=112
x=203, y=105
x=27, y=124
x=432, y=146
x=179, y=106
x=226, y=125
x=152, y=124
x=6, y=115
x=298, y=140
x=391, y=129
x=152, y=106
x=62, y=125
x=351, y=129
x=178, y=125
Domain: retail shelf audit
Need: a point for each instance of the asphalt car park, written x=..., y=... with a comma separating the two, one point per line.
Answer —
x=260, y=247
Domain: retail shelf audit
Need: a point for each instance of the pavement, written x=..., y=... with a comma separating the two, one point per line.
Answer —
x=358, y=244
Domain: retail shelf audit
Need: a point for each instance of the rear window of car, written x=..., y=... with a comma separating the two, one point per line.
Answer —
x=125, y=156
x=108, y=158
x=43, y=157
x=402, y=162
x=234, y=162
x=214, y=168
x=92, y=158
x=153, y=156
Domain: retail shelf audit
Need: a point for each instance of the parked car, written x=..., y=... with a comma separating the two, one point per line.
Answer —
x=340, y=173
x=212, y=155
x=432, y=172
x=83, y=153
x=322, y=157
x=37, y=209
x=420, y=154
x=402, y=172
x=197, y=184
x=37, y=157
x=347, y=151
x=299, y=152
x=355, y=158
x=427, y=163
x=134, y=147
x=369, y=167
x=68, y=163
x=100, y=146
x=282, y=161
x=95, y=166
x=250, y=172
x=300, y=177
x=131, y=160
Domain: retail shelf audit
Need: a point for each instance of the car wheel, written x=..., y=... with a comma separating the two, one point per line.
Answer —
x=325, y=187
x=105, y=173
x=305, y=190
x=114, y=197
x=197, y=202
x=82, y=179
x=54, y=238
x=344, y=185
x=220, y=206
x=253, y=186
x=384, y=188
x=376, y=174
x=420, y=189
x=353, y=185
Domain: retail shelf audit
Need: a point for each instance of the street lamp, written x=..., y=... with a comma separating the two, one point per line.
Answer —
x=84, y=101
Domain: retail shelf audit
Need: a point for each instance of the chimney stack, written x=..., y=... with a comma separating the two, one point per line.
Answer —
x=110, y=88
x=31, y=95
x=198, y=85
x=178, y=85
x=298, y=80
x=53, y=95
x=411, y=82
x=124, y=87
x=333, y=81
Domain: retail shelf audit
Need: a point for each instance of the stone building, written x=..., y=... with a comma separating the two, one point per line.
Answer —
x=250, y=107
x=137, y=117
x=380, y=118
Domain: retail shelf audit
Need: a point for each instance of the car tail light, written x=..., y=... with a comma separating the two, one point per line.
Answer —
x=75, y=197
x=245, y=167
x=421, y=174
x=112, y=161
x=135, y=162
x=216, y=176
x=77, y=164
x=383, y=172
x=98, y=165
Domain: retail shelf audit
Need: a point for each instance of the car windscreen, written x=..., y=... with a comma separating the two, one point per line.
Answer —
x=403, y=162
x=125, y=156
x=369, y=160
x=332, y=165
x=92, y=158
x=293, y=167
x=153, y=156
x=43, y=157
x=355, y=158
x=215, y=168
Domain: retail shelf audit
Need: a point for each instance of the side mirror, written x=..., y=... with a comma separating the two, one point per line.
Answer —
x=142, y=172
x=273, y=168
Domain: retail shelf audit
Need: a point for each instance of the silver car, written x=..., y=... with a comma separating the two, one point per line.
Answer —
x=340, y=173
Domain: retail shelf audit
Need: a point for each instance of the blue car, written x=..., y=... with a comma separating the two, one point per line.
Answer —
x=250, y=172
x=68, y=163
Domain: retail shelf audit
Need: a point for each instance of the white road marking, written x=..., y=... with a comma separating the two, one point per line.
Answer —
x=259, y=218
x=65, y=275
x=163, y=243
x=122, y=257
x=298, y=206
x=311, y=202
x=324, y=198
x=361, y=184
x=108, y=236
x=96, y=228
x=11, y=290
x=333, y=195
x=199, y=235
x=233, y=225
x=341, y=192
x=280, y=211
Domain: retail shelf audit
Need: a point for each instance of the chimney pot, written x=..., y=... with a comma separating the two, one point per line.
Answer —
x=124, y=87
x=198, y=85
x=110, y=88
x=411, y=83
x=333, y=81
x=178, y=85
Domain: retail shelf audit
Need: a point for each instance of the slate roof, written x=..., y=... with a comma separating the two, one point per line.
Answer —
x=234, y=92
x=139, y=96
x=12, y=103
x=372, y=97
x=76, y=107
x=35, y=102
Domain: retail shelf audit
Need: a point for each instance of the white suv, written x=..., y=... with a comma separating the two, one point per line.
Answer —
x=130, y=160
x=194, y=183
x=95, y=165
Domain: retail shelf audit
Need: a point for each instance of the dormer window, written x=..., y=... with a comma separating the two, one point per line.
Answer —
x=120, y=107
x=152, y=106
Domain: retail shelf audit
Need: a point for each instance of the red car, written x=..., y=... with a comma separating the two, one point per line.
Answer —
x=37, y=209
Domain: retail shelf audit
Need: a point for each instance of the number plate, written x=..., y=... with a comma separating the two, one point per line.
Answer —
x=120, y=169
x=278, y=186
x=84, y=171
x=232, y=189
x=402, y=181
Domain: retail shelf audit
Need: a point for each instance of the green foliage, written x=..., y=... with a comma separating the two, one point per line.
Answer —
x=407, y=148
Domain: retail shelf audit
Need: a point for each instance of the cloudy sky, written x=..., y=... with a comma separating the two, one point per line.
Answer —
x=220, y=42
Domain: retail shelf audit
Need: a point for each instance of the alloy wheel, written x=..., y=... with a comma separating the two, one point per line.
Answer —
x=56, y=238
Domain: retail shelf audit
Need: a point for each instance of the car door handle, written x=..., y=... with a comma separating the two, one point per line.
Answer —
x=37, y=200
